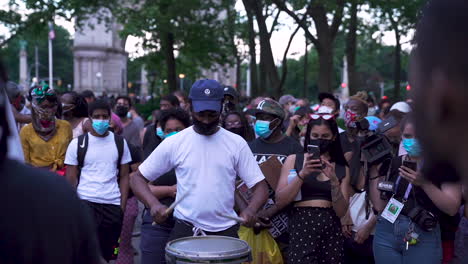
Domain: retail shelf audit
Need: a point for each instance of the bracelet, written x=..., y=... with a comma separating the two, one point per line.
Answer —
x=299, y=176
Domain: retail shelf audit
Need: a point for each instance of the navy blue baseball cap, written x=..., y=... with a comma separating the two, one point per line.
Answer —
x=206, y=95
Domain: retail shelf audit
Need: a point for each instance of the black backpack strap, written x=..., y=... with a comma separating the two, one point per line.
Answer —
x=299, y=163
x=119, y=142
x=83, y=141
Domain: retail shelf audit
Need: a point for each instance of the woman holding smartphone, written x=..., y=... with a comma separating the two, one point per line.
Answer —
x=408, y=229
x=317, y=186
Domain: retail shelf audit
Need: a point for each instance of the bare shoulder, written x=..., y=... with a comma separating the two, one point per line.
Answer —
x=290, y=160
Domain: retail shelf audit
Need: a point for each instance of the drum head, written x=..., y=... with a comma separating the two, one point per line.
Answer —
x=208, y=248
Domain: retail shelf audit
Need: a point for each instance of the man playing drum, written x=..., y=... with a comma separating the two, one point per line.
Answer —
x=206, y=159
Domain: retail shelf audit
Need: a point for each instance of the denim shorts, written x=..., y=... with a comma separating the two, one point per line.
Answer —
x=389, y=246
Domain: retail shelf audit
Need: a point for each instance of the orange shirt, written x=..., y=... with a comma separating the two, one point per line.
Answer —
x=41, y=153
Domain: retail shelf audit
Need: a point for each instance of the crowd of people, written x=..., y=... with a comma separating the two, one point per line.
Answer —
x=332, y=181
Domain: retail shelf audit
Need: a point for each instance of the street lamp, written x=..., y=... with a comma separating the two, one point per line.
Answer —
x=181, y=77
x=152, y=79
x=99, y=77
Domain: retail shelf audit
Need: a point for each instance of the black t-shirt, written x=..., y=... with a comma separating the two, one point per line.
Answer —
x=136, y=153
x=42, y=219
x=417, y=194
x=167, y=179
x=346, y=145
x=262, y=151
x=355, y=163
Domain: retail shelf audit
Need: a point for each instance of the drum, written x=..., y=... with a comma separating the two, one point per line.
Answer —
x=208, y=249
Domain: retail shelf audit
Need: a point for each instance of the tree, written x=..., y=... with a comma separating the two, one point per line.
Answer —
x=318, y=11
x=351, y=44
x=374, y=65
x=251, y=36
x=400, y=16
x=268, y=73
x=62, y=52
x=237, y=30
x=43, y=11
x=194, y=29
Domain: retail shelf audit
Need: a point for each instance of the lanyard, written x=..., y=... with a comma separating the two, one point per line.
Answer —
x=408, y=189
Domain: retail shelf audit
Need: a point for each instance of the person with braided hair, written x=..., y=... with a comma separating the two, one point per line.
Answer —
x=46, y=139
x=75, y=111
x=42, y=219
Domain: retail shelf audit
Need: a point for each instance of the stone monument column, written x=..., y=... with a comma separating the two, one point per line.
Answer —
x=100, y=60
x=144, y=82
x=23, y=65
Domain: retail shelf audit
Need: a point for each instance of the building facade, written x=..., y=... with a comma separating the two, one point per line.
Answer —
x=100, y=60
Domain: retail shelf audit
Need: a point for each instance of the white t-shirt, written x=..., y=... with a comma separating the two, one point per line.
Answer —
x=98, y=179
x=206, y=167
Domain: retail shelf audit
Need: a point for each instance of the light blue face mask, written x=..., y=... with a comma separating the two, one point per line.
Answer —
x=159, y=132
x=412, y=146
x=171, y=134
x=262, y=128
x=100, y=126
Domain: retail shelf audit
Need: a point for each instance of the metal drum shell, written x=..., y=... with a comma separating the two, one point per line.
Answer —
x=197, y=250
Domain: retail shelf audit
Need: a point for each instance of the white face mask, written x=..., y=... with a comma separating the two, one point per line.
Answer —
x=292, y=109
x=372, y=111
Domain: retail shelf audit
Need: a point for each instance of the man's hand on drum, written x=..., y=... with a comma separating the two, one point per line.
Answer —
x=249, y=216
x=158, y=212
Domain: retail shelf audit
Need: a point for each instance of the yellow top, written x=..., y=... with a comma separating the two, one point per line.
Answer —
x=41, y=153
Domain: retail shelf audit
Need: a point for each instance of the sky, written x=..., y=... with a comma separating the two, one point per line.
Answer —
x=279, y=39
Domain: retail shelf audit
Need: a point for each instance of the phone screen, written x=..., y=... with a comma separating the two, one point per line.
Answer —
x=410, y=164
x=314, y=151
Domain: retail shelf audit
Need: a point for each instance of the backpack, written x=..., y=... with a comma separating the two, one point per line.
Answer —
x=83, y=147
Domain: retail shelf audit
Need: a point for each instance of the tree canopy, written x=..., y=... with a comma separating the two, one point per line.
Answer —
x=191, y=35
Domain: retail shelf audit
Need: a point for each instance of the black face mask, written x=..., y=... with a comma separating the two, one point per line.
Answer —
x=228, y=106
x=323, y=144
x=238, y=130
x=205, y=129
x=121, y=110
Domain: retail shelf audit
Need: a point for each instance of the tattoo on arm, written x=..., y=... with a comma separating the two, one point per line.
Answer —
x=337, y=195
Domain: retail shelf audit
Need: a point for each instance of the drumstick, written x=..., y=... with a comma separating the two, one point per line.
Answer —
x=239, y=220
x=174, y=204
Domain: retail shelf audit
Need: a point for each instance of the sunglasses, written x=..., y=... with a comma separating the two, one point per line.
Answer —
x=323, y=116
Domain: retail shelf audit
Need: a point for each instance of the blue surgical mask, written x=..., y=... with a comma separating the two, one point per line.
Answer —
x=412, y=146
x=159, y=132
x=170, y=134
x=262, y=128
x=100, y=126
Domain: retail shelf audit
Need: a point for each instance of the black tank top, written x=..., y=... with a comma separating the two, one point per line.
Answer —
x=313, y=189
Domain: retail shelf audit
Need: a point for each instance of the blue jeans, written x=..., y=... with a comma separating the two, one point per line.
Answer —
x=153, y=241
x=389, y=247
x=461, y=242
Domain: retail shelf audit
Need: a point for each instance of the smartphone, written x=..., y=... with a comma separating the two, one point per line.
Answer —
x=314, y=151
x=410, y=164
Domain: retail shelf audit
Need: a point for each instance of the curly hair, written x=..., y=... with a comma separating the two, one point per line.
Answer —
x=174, y=114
